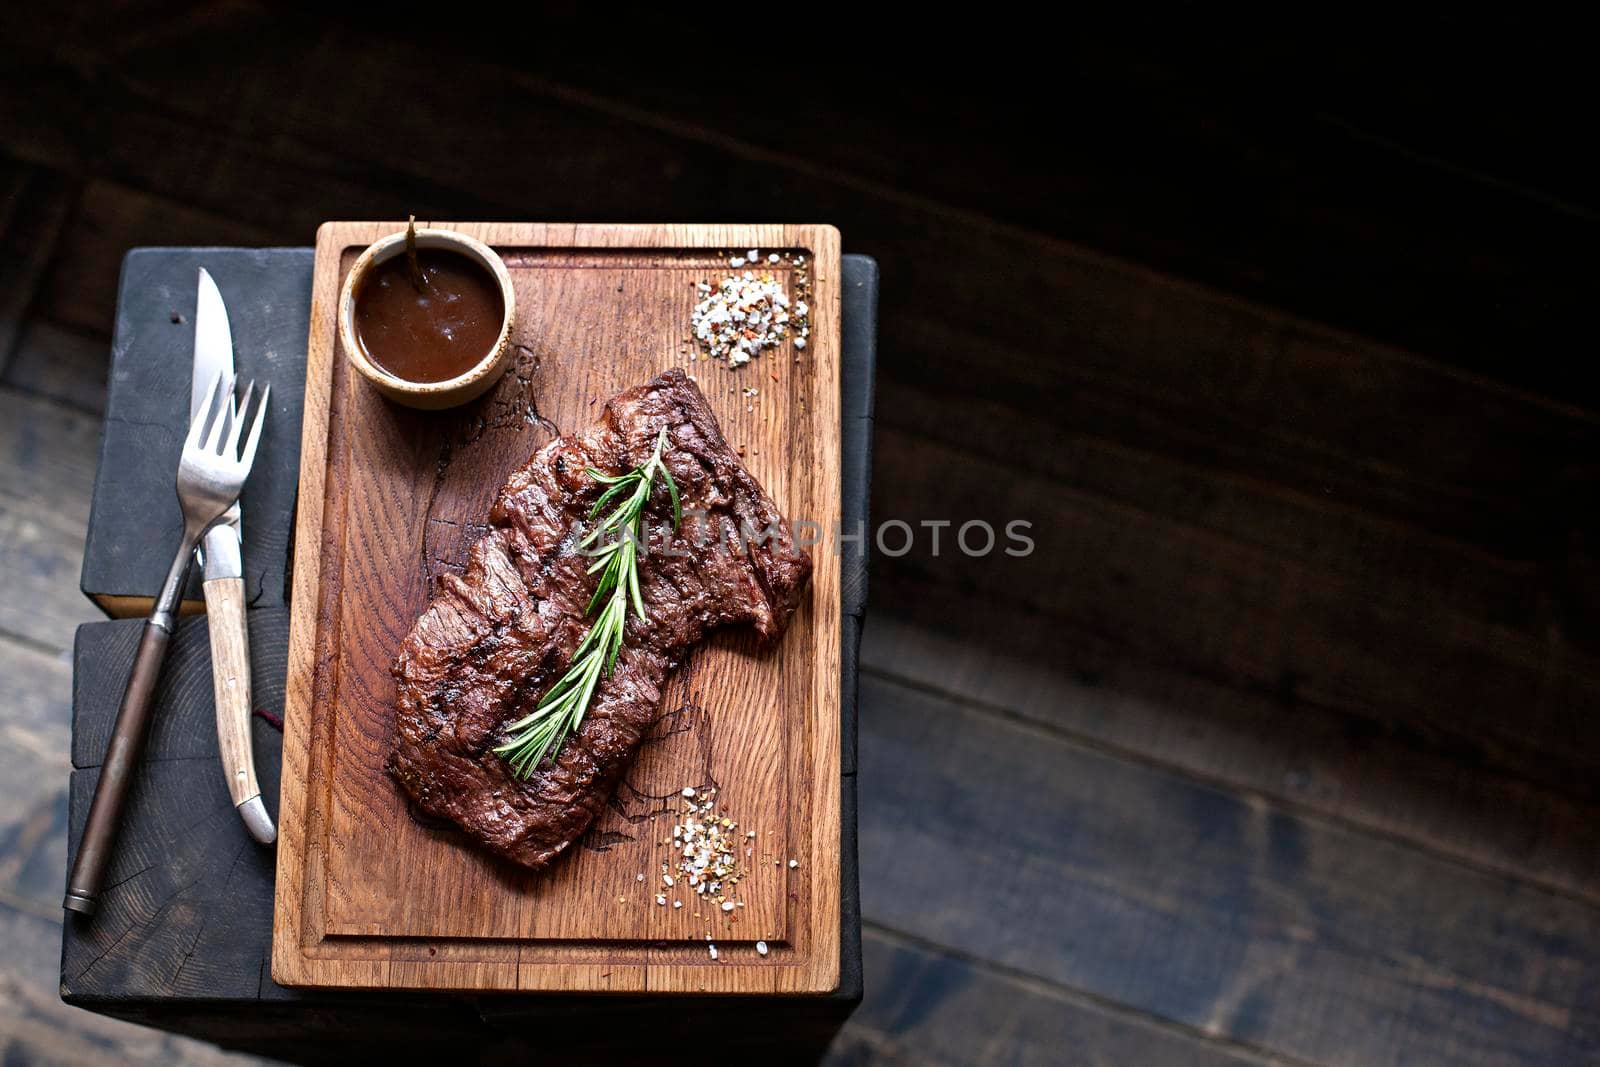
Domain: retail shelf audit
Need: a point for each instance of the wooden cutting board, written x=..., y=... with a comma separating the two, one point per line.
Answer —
x=368, y=896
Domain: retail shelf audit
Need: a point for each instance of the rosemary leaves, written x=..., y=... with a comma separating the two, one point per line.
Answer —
x=615, y=543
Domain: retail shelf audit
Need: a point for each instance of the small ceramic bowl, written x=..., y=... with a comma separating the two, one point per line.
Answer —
x=429, y=395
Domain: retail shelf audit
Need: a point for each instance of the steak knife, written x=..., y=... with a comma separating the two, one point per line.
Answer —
x=223, y=570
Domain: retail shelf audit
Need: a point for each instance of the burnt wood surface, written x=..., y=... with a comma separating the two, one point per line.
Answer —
x=135, y=510
x=1283, y=337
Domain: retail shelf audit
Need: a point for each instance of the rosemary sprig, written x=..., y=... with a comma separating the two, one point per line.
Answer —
x=618, y=536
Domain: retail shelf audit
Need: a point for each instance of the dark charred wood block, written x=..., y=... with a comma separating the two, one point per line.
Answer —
x=135, y=519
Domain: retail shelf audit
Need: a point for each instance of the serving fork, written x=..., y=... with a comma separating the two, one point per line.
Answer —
x=210, y=476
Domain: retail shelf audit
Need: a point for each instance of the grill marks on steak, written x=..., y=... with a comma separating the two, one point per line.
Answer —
x=498, y=636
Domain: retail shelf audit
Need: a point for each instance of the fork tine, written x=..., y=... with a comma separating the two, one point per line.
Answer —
x=260, y=420
x=223, y=400
x=197, y=429
x=231, y=449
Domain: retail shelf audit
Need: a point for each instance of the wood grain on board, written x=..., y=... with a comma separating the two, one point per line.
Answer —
x=370, y=897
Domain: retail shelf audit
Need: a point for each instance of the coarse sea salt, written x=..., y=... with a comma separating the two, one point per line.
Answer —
x=747, y=313
x=705, y=847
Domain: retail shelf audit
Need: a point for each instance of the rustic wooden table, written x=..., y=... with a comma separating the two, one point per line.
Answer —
x=182, y=940
x=1284, y=746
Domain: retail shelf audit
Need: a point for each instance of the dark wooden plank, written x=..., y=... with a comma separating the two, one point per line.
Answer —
x=1320, y=531
x=103, y=654
x=182, y=856
x=1206, y=908
x=1228, y=610
x=37, y=1028
x=47, y=462
x=33, y=206
x=81, y=291
x=188, y=905
x=35, y=742
x=1377, y=772
x=1177, y=160
x=926, y=1006
x=1382, y=777
x=287, y=187
x=1358, y=434
x=60, y=364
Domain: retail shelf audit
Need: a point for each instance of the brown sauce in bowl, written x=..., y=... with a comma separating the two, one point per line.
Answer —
x=431, y=334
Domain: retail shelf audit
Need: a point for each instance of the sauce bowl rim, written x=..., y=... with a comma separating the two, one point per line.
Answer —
x=388, y=247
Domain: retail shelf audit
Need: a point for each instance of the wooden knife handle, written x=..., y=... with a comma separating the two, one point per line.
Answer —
x=230, y=681
x=116, y=773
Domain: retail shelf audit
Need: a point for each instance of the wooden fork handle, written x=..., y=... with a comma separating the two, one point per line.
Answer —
x=116, y=773
x=230, y=680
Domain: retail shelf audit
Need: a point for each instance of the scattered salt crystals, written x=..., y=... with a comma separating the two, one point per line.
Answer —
x=761, y=947
x=748, y=313
x=677, y=903
x=752, y=255
x=688, y=791
x=713, y=949
x=640, y=878
x=793, y=864
x=704, y=852
x=661, y=899
x=799, y=342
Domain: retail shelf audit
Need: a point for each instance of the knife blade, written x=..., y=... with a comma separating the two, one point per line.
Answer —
x=222, y=566
x=213, y=356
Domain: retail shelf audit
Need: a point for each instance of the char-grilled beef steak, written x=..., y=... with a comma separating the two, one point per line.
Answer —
x=497, y=637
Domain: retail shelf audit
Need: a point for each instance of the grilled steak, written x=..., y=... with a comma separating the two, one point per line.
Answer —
x=497, y=637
